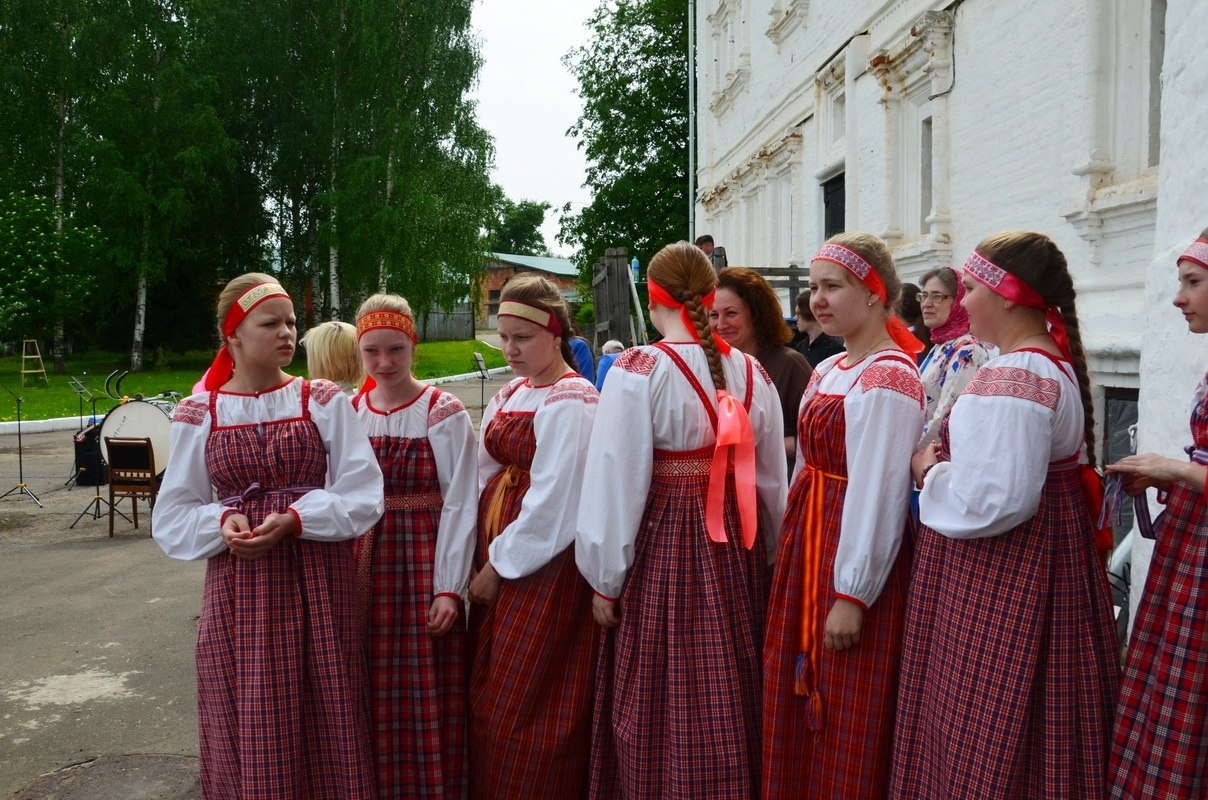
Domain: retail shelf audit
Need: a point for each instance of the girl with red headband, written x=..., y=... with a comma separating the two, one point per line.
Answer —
x=534, y=641
x=1010, y=665
x=281, y=691
x=839, y=592
x=684, y=485
x=1161, y=735
x=413, y=568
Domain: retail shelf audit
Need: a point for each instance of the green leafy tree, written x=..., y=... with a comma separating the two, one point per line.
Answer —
x=633, y=78
x=45, y=265
x=516, y=226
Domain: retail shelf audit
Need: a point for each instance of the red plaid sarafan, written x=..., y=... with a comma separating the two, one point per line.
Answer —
x=534, y=656
x=1009, y=665
x=849, y=757
x=418, y=683
x=677, y=711
x=1160, y=747
x=281, y=691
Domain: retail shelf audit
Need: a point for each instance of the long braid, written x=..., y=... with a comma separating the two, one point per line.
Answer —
x=700, y=320
x=1078, y=357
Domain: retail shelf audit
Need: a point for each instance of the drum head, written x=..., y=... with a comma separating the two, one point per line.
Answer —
x=139, y=419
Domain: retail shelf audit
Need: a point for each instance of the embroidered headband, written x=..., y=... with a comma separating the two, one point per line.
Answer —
x=223, y=366
x=395, y=320
x=1196, y=252
x=1004, y=284
x=854, y=263
x=534, y=314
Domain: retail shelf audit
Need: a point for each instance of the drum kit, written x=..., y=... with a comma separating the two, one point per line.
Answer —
x=136, y=417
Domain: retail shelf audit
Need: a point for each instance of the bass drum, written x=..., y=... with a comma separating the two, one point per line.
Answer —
x=140, y=419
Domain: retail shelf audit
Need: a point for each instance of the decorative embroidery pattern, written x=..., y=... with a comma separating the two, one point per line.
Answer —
x=636, y=361
x=444, y=406
x=690, y=464
x=1197, y=251
x=985, y=270
x=579, y=390
x=895, y=379
x=1015, y=382
x=844, y=258
x=322, y=391
x=766, y=377
x=189, y=411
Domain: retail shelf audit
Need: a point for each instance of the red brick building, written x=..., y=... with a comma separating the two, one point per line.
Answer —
x=502, y=266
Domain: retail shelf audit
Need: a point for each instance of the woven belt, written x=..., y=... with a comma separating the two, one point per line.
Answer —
x=416, y=500
x=676, y=467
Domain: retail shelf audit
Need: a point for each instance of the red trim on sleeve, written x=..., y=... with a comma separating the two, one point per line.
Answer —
x=454, y=595
x=606, y=597
x=290, y=510
x=851, y=599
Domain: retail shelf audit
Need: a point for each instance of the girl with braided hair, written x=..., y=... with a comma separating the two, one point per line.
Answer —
x=839, y=592
x=1009, y=669
x=686, y=476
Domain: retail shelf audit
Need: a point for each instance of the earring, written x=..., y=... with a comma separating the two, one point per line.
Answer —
x=870, y=302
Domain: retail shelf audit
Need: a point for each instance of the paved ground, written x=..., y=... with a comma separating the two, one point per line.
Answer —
x=96, y=666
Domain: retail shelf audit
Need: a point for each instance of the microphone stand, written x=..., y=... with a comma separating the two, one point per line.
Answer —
x=20, y=488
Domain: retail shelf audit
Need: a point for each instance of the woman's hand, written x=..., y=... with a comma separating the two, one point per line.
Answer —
x=485, y=585
x=442, y=615
x=922, y=461
x=1150, y=469
x=605, y=611
x=255, y=543
x=843, y=625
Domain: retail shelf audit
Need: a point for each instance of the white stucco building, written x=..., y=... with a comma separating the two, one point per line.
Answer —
x=933, y=124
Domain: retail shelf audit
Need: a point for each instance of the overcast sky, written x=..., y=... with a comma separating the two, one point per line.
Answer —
x=527, y=101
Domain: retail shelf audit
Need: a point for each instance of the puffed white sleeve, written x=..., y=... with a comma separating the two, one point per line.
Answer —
x=616, y=481
x=487, y=466
x=771, y=486
x=550, y=508
x=883, y=417
x=186, y=521
x=452, y=441
x=1000, y=449
x=354, y=498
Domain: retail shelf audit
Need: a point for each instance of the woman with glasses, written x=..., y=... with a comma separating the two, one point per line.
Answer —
x=955, y=353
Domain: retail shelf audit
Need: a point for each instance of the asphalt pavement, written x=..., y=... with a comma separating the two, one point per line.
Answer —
x=97, y=691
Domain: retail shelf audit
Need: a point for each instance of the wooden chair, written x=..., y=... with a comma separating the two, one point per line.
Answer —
x=132, y=473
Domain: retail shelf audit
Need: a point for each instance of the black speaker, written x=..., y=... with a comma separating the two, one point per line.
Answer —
x=90, y=467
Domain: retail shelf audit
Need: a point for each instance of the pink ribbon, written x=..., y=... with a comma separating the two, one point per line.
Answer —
x=735, y=444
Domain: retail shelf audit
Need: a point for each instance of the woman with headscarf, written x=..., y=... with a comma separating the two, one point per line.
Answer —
x=955, y=353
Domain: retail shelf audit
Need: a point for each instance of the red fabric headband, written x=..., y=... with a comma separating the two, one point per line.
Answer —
x=662, y=297
x=1197, y=252
x=854, y=263
x=223, y=366
x=1004, y=284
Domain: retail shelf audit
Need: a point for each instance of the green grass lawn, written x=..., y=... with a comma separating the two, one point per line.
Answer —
x=177, y=372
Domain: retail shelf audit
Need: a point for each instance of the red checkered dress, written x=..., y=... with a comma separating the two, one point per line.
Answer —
x=678, y=682
x=1161, y=737
x=280, y=672
x=1009, y=664
x=417, y=682
x=534, y=656
x=849, y=756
